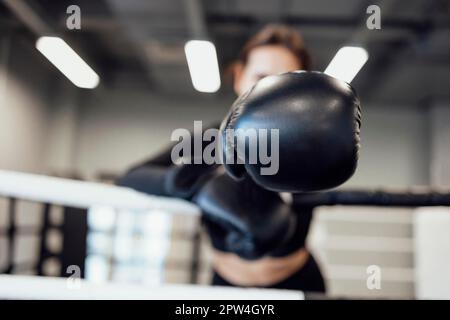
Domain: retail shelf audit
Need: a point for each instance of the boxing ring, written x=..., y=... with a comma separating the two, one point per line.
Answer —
x=429, y=223
x=84, y=195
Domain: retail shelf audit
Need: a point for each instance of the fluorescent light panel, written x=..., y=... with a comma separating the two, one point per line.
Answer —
x=347, y=62
x=203, y=66
x=60, y=54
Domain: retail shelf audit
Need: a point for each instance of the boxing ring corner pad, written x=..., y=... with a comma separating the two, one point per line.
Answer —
x=84, y=194
x=50, y=288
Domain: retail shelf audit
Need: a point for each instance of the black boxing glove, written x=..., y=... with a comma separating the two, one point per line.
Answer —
x=164, y=176
x=250, y=221
x=318, y=118
x=177, y=180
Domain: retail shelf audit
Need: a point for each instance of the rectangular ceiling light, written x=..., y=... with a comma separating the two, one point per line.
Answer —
x=203, y=66
x=58, y=52
x=347, y=62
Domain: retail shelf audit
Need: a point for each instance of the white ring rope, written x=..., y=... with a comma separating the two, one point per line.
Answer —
x=44, y=288
x=82, y=194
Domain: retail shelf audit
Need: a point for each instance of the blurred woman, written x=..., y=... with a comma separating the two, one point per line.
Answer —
x=275, y=49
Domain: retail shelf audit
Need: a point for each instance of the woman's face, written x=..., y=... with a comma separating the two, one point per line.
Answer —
x=261, y=62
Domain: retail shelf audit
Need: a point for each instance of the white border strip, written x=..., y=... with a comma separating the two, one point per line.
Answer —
x=49, y=288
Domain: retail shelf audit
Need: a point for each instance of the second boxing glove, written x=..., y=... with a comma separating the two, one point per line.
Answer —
x=252, y=222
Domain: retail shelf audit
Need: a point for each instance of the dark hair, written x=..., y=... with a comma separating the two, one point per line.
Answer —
x=281, y=35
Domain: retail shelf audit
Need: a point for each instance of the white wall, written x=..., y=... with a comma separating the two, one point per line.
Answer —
x=118, y=128
x=24, y=108
x=440, y=143
x=394, y=147
x=62, y=131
